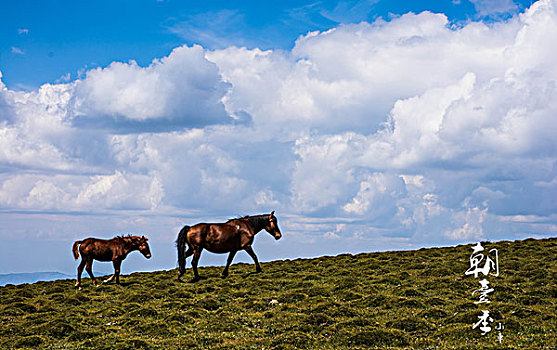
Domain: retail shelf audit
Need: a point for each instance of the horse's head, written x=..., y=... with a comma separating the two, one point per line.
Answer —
x=143, y=246
x=272, y=226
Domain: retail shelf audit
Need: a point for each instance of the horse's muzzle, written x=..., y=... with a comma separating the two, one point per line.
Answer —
x=277, y=237
x=148, y=256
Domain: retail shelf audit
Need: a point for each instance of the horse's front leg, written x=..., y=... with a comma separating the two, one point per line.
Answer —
x=251, y=253
x=117, y=265
x=116, y=273
x=228, y=262
x=89, y=268
x=109, y=279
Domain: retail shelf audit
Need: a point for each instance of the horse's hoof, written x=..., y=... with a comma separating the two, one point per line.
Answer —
x=195, y=279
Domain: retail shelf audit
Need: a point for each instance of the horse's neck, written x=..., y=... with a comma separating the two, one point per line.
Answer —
x=257, y=223
x=126, y=247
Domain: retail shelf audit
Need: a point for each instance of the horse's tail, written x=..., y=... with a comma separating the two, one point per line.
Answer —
x=181, y=245
x=75, y=249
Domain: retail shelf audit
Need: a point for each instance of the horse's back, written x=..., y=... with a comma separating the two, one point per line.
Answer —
x=197, y=233
x=97, y=248
x=87, y=242
x=217, y=237
x=91, y=241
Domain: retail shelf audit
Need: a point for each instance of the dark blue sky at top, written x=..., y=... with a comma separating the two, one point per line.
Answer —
x=42, y=41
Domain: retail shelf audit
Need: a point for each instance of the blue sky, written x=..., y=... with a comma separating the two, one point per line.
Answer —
x=366, y=125
x=43, y=41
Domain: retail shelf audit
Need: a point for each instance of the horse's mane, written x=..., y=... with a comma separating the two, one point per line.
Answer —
x=247, y=217
x=126, y=238
x=254, y=220
x=238, y=218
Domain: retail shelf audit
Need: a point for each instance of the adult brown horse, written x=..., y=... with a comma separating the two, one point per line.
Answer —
x=115, y=250
x=228, y=237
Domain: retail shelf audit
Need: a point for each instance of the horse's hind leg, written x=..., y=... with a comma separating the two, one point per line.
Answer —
x=189, y=253
x=228, y=262
x=79, y=272
x=251, y=253
x=195, y=260
x=89, y=268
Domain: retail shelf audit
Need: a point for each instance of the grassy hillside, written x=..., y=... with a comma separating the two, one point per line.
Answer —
x=410, y=299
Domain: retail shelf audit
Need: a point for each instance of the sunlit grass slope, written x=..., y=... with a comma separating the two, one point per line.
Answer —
x=407, y=299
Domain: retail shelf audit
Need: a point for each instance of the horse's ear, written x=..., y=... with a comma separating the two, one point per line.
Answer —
x=272, y=213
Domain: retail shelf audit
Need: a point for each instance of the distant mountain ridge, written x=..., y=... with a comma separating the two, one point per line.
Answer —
x=31, y=277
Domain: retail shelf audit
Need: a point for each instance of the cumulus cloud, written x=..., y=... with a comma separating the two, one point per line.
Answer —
x=471, y=229
x=180, y=90
x=408, y=131
x=32, y=128
x=80, y=193
x=376, y=195
x=470, y=136
x=349, y=77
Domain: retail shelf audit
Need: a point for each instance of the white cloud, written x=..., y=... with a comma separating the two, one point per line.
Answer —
x=80, y=193
x=350, y=77
x=322, y=175
x=478, y=129
x=36, y=134
x=490, y=7
x=213, y=28
x=471, y=229
x=180, y=90
x=17, y=51
x=334, y=234
x=408, y=129
x=16, y=149
x=377, y=194
x=121, y=190
x=66, y=78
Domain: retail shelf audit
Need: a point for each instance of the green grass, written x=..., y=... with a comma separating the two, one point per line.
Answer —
x=408, y=299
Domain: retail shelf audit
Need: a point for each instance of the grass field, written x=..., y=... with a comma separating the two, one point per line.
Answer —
x=407, y=299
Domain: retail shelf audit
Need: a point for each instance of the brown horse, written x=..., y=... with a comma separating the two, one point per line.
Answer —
x=115, y=250
x=228, y=237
